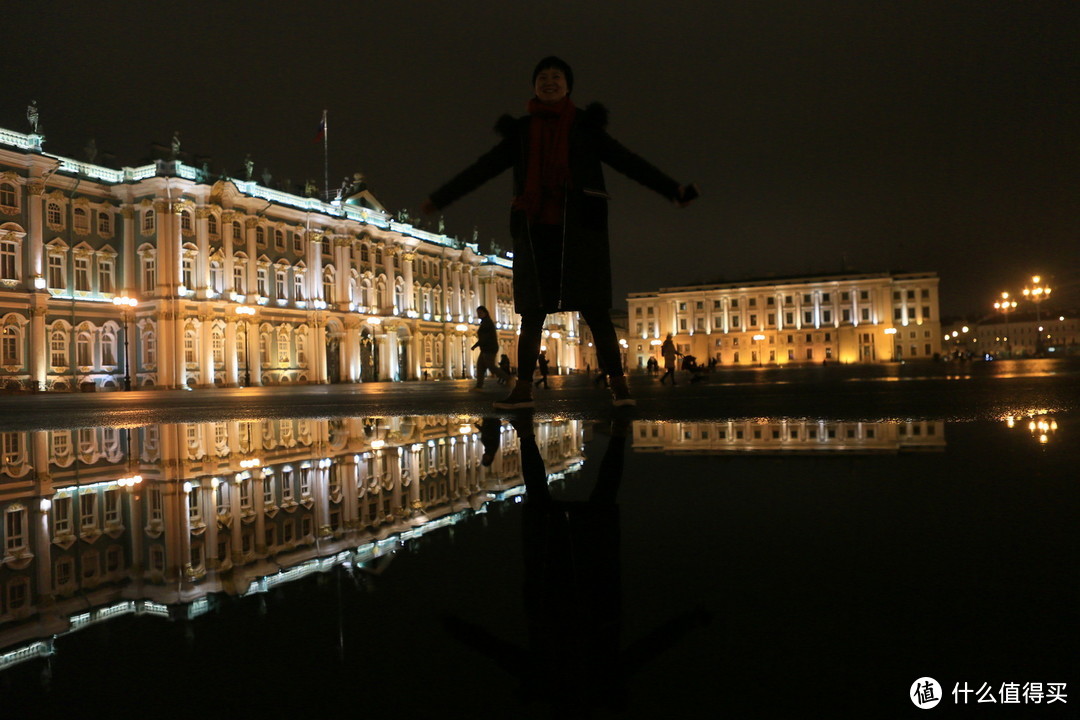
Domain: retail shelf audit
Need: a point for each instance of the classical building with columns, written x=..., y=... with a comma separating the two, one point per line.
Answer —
x=159, y=277
x=854, y=317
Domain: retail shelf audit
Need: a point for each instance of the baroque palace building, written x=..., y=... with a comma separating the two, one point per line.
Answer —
x=853, y=317
x=161, y=520
x=155, y=276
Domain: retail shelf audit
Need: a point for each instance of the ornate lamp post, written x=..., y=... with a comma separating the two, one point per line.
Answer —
x=246, y=311
x=1037, y=293
x=127, y=305
x=1005, y=305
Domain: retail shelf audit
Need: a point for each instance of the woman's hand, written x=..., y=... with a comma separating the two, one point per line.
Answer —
x=687, y=195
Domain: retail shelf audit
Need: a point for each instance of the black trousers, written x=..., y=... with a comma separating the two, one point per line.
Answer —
x=604, y=339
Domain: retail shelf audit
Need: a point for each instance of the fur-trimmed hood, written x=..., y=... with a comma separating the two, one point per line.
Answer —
x=594, y=114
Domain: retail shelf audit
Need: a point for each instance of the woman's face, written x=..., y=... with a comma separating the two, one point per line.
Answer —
x=550, y=86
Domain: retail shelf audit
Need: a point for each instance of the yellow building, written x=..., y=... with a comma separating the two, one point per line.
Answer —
x=856, y=317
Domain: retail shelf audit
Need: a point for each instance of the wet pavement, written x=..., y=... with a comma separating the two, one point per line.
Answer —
x=767, y=543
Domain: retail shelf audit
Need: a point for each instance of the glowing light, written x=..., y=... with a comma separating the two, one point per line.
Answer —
x=374, y=320
x=892, y=331
x=187, y=487
x=46, y=504
x=378, y=444
x=461, y=327
x=245, y=310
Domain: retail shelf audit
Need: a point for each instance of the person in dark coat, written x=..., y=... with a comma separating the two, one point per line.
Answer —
x=558, y=218
x=542, y=363
x=504, y=365
x=487, y=340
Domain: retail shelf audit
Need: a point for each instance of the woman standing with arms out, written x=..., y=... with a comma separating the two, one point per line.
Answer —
x=558, y=218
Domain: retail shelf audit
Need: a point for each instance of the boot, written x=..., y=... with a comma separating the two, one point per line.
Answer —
x=519, y=397
x=620, y=391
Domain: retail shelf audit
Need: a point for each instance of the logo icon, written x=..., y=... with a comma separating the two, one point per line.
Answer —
x=925, y=693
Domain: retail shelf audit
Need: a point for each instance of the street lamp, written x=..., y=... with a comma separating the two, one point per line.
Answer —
x=757, y=344
x=246, y=311
x=127, y=305
x=1005, y=305
x=1037, y=293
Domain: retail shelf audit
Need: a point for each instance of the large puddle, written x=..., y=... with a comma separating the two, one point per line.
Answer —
x=496, y=567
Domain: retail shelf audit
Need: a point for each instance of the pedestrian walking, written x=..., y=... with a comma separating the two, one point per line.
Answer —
x=558, y=218
x=670, y=363
x=542, y=363
x=487, y=340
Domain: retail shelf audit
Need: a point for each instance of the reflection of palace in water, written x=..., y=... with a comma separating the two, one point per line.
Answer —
x=788, y=436
x=100, y=522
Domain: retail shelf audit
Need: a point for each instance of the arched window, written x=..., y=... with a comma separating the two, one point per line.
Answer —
x=81, y=220
x=58, y=349
x=10, y=346
x=260, y=235
x=236, y=232
x=84, y=355
x=279, y=239
x=108, y=348
x=9, y=259
x=365, y=255
x=283, y=348
x=104, y=223
x=186, y=224
x=264, y=350
x=9, y=197
x=212, y=225
x=190, y=346
x=218, y=342
x=150, y=348
x=328, y=285
x=148, y=221
x=301, y=350
x=53, y=215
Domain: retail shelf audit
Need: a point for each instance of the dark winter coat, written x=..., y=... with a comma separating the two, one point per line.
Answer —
x=586, y=262
x=487, y=337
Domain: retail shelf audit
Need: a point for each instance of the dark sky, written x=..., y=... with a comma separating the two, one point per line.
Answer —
x=884, y=135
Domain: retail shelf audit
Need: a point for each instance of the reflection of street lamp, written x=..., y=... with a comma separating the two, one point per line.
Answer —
x=128, y=308
x=1006, y=306
x=1037, y=293
x=246, y=311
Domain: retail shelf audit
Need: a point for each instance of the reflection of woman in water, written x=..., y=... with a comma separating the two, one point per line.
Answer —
x=573, y=594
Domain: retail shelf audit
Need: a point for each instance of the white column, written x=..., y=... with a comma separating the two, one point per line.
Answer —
x=202, y=261
x=206, y=372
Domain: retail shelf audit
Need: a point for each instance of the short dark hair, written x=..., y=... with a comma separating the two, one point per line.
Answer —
x=559, y=64
x=481, y=307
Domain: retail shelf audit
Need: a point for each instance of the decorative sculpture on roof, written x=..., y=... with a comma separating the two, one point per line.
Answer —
x=32, y=116
x=175, y=144
x=249, y=167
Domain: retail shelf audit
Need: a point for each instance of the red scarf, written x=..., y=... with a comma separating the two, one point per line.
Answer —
x=548, y=167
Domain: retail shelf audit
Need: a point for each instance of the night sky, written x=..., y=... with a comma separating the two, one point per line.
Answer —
x=824, y=134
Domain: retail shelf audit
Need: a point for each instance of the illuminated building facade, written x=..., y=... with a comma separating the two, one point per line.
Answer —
x=159, y=276
x=97, y=522
x=848, y=318
x=789, y=437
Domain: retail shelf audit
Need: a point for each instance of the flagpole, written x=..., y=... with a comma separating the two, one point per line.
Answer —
x=326, y=158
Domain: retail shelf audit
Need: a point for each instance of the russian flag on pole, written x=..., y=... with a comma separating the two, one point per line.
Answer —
x=321, y=133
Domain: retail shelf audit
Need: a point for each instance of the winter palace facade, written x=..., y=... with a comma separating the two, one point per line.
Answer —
x=158, y=277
